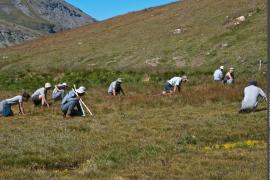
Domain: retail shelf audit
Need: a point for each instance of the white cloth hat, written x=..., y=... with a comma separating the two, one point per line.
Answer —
x=81, y=90
x=184, y=77
x=119, y=80
x=48, y=85
x=64, y=84
x=221, y=67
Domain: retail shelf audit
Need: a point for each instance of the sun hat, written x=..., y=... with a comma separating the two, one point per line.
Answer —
x=48, y=85
x=81, y=90
x=221, y=67
x=119, y=80
x=184, y=78
x=64, y=84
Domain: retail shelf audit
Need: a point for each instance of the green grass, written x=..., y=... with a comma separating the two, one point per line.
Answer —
x=142, y=135
x=138, y=136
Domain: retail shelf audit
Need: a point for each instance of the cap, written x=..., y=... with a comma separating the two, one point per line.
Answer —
x=221, y=67
x=252, y=82
x=48, y=85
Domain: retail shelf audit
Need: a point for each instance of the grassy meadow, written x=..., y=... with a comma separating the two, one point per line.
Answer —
x=197, y=134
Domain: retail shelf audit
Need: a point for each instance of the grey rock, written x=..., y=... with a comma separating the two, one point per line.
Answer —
x=35, y=18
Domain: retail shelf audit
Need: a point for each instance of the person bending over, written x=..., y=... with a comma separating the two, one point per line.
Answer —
x=251, y=94
x=59, y=91
x=5, y=105
x=174, y=84
x=40, y=95
x=115, y=88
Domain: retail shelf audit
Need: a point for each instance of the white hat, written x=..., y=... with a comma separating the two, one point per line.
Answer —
x=48, y=85
x=119, y=80
x=184, y=77
x=81, y=90
x=64, y=84
x=221, y=67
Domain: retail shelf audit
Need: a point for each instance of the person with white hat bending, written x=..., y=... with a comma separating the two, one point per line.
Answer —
x=70, y=105
x=218, y=74
x=115, y=88
x=173, y=84
x=40, y=95
x=58, y=92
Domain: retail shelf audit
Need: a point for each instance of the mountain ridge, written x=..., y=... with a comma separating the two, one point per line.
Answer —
x=44, y=17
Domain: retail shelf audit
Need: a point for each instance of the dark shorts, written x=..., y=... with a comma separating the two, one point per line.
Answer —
x=36, y=100
x=168, y=87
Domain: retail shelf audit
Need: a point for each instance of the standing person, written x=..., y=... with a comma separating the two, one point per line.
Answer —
x=115, y=88
x=229, y=77
x=40, y=95
x=72, y=101
x=251, y=94
x=218, y=74
x=173, y=84
x=59, y=91
x=5, y=105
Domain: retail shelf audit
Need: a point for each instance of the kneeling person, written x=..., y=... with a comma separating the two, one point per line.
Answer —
x=5, y=105
x=70, y=105
x=115, y=88
x=173, y=84
x=251, y=94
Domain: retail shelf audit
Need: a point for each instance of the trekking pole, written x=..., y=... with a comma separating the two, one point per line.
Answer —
x=81, y=101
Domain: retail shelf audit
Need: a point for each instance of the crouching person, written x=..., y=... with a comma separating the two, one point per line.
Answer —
x=70, y=105
x=251, y=94
x=40, y=95
x=58, y=92
x=115, y=88
x=5, y=105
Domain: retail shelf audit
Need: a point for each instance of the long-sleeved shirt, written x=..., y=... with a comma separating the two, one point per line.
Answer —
x=71, y=95
x=251, y=93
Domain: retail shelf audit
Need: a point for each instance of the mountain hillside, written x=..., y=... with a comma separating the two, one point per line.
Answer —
x=191, y=35
x=23, y=20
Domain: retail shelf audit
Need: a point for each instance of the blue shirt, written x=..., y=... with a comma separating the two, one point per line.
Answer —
x=69, y=96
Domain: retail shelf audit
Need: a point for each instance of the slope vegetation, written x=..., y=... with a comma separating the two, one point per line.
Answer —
x=182, y=35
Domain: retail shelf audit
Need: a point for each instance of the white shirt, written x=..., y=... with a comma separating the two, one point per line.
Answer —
x=112, y=87
x=218, y=75
x=40, y=92
x=15, y=100
x=175, y=81
x=251, y=94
